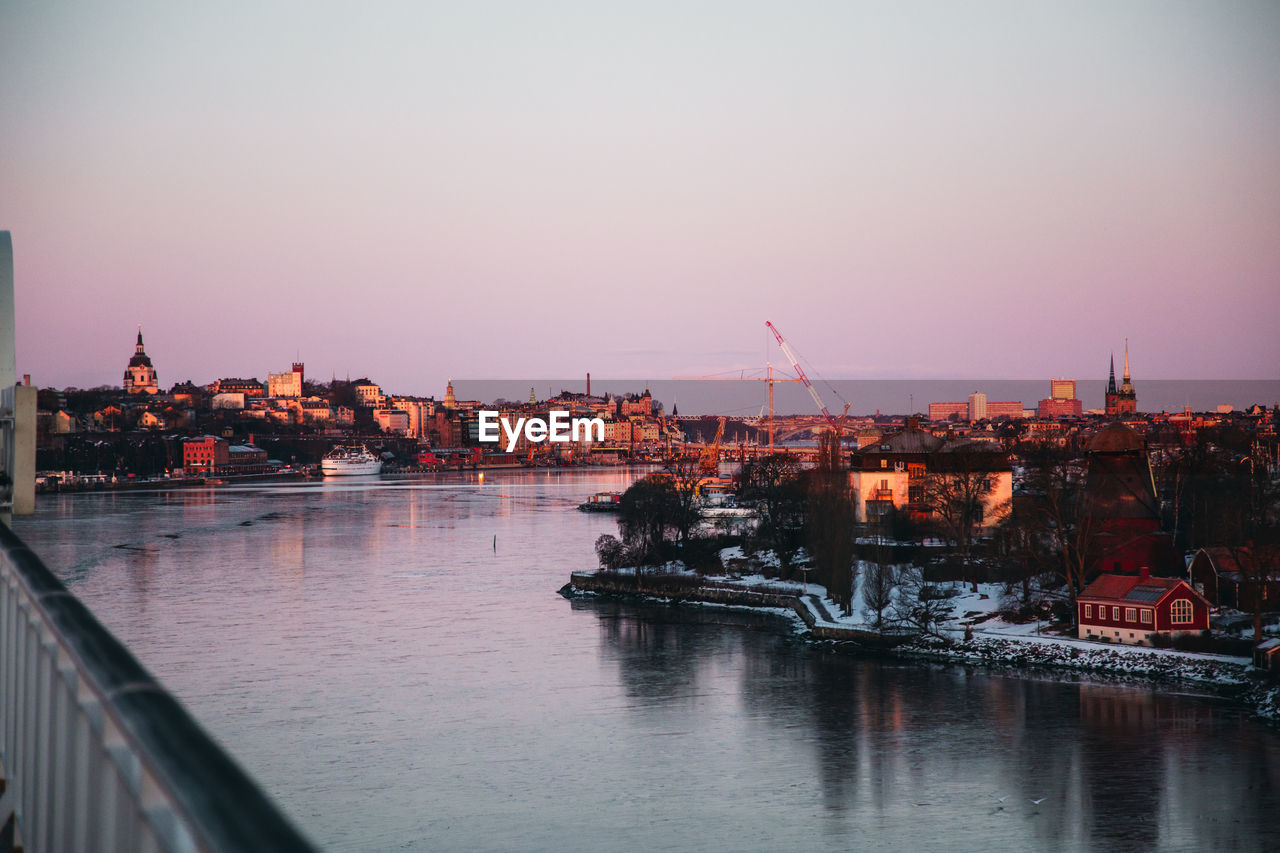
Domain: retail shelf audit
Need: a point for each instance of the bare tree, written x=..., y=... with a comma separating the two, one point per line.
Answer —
x=956, y=490
x=877, y=588
x=830, y=523
x=920, y=605
x=685, y=512
x=773, y=485
x=1057, y=507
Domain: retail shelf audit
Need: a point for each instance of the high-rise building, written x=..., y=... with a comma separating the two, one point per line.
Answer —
x=1062, y=389
x=140, y=377
x=977, y=406
x=1061, y=401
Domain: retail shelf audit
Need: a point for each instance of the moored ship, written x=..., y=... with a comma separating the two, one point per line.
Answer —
x=602, y=502
x=350, y=460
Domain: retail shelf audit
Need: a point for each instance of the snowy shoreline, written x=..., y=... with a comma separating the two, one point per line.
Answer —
x=992, y=642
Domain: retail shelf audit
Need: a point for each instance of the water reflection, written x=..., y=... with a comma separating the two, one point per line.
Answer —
x=398, y=680
x=912, y=754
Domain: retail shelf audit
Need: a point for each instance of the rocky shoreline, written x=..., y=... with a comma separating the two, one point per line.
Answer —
x=1230, y=678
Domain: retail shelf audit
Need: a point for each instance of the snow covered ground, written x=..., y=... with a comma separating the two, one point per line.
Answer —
x=973, y=631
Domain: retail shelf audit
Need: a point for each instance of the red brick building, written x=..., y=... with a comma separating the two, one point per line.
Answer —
x=1130, y=609
x=1050, y=408
x=206, y=453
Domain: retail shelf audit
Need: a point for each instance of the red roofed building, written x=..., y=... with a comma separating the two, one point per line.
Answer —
x=1130, y=608
x=1230, y=577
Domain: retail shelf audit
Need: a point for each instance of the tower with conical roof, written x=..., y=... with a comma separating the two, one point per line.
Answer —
x=1126, y=397
x=1123, y=400
x=140, y=377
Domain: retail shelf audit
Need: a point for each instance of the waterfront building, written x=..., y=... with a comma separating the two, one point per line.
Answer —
x=204, y=454
x=392, y=420
x=420, y=411
x=247, y=459
x=893, y=474
x=1132, y=609
x=140, y=376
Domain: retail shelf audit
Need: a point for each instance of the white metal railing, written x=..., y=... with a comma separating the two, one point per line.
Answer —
x=95, y=755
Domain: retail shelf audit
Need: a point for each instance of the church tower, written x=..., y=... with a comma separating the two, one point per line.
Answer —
x=1111, y=390
x=1126, y=397
x=140, y=377
x=1123, y=400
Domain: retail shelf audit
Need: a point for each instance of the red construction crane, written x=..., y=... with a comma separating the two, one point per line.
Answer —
x=795, y=362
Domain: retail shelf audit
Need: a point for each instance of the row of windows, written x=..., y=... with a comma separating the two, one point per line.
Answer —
x=1131, y=614
x=1180, y=613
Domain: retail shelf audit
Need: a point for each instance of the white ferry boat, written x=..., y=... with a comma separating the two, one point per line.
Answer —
x=343, y=460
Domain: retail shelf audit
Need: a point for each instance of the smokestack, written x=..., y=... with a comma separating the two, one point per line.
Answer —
x=588, y=384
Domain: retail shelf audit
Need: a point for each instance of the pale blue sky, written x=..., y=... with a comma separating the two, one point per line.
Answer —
x=415, y=191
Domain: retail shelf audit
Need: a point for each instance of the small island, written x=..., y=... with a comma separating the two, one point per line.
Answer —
x=1069, y=570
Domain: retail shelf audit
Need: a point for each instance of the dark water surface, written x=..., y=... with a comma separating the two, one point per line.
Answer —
x=396, y=683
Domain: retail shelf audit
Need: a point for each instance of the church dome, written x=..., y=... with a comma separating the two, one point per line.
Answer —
x=1117, y=438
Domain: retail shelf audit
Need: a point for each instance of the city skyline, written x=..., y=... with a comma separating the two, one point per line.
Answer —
x=425, y=193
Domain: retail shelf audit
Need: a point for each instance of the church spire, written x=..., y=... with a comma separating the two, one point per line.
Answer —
x=1126, y=359
x=1111, y=383
x=139, y=346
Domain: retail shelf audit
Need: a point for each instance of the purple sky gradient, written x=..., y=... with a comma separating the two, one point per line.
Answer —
x=414, y=191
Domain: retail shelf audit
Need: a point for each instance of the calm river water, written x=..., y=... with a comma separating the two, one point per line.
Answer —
x=398, y=681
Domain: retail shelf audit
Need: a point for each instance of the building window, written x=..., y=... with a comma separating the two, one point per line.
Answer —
x=1130, y=614
x=1115, y=614
x=1146, y=617
x=1088, y=611
x=1181, y=611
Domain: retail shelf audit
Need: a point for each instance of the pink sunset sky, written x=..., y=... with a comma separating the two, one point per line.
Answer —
x=418, y=191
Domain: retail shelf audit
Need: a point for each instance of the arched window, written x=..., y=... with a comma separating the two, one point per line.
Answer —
x=1181, y=611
